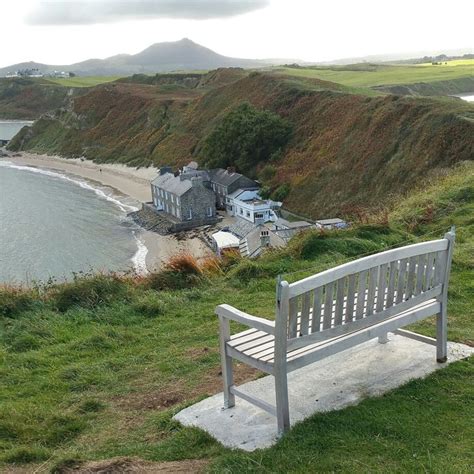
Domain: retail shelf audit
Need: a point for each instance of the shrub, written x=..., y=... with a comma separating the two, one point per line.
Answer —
x=14, y=301
x=185, y=263
x=267, y=173
x=89, y=292
x=281, y=192
x=211, y=266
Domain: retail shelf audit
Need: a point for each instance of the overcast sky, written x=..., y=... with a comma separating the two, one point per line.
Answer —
x=64, y=32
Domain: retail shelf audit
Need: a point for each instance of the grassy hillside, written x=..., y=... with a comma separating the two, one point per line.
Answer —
x=349, y=151
x=96, y=368
x=370, y=75
x=82, y=81
x=30, y=98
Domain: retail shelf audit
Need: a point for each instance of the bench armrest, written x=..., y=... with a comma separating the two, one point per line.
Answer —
x=229, y=312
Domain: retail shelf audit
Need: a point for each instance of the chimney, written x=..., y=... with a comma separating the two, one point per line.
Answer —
x=231, y=169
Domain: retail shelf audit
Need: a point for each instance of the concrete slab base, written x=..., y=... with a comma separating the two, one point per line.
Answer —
x=330, y=384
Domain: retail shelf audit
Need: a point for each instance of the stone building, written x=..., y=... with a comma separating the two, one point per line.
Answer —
x=226, y=181
x=183, y=198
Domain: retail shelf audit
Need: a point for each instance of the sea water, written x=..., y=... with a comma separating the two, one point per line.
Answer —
x=53, y=225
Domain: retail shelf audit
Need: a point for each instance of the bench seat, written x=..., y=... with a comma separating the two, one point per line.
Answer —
x=257, y=348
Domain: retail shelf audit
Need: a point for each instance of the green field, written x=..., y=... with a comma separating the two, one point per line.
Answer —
x=97, y=368
x=83, y=81
x=366, y=75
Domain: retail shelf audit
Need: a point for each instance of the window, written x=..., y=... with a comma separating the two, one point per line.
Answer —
x=264, y=233
x=178, y=213
x=172, y=198
x=190, y=214
x=248, y=214
x=258, y=215
x=177, y=200
x=241, y=210
x=209, y=211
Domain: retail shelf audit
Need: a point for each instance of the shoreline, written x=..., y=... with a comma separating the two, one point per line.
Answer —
x=127, y=183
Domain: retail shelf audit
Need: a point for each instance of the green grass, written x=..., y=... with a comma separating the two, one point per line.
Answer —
x=377, y=75
x=97, y=368
x=83, y=81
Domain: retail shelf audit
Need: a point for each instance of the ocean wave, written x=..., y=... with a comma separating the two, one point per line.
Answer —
x=83, y=184
x=139, y=258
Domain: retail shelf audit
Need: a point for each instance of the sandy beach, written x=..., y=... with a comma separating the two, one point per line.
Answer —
x=126, y=182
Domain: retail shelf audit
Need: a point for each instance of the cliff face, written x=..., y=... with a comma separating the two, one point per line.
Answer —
x=347, y=150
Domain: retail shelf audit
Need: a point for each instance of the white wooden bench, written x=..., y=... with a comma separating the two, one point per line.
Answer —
x=323, y=314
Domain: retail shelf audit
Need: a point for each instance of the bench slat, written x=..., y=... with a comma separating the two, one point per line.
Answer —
x=372, y=290
x=420, y=274
x=429, y=272
x=316, y=321
x=401, y=284
x=382, y=285
x=361, y=294
x=293, y=318
x=391, y=284
x=328, y=305
x=350, y=298
x=339, y=312
x=411, y=277
x=305, y=310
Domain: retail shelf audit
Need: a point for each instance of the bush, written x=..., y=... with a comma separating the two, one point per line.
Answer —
x=267, y=173
x=184, y=263
x=14, y=301
x=89, y=292
x=281, y=192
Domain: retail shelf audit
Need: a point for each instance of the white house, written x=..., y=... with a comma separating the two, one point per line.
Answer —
x=247, y=204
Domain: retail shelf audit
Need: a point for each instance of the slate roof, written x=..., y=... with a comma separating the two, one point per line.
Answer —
x=224, y=178
x=173, y=184
x=241, y=227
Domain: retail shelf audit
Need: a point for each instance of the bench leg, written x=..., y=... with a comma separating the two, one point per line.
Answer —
x=384, y=339
x=282, y=406
x=442, y=335
x=226, y=363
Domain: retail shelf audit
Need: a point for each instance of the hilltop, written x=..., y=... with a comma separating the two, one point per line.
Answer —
x=352, y=149
x=159, y=57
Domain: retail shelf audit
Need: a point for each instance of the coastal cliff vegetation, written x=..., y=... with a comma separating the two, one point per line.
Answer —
x=95, y=368
x=350, y=151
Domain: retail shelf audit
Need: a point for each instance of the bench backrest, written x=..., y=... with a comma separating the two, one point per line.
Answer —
x=364, y=292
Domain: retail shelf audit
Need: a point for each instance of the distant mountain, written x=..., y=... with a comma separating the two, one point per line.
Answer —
x=160, y=57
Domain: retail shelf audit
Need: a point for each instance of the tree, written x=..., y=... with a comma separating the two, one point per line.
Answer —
x=245, y=137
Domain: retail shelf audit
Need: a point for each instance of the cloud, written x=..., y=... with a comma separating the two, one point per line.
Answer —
x=86, y=12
